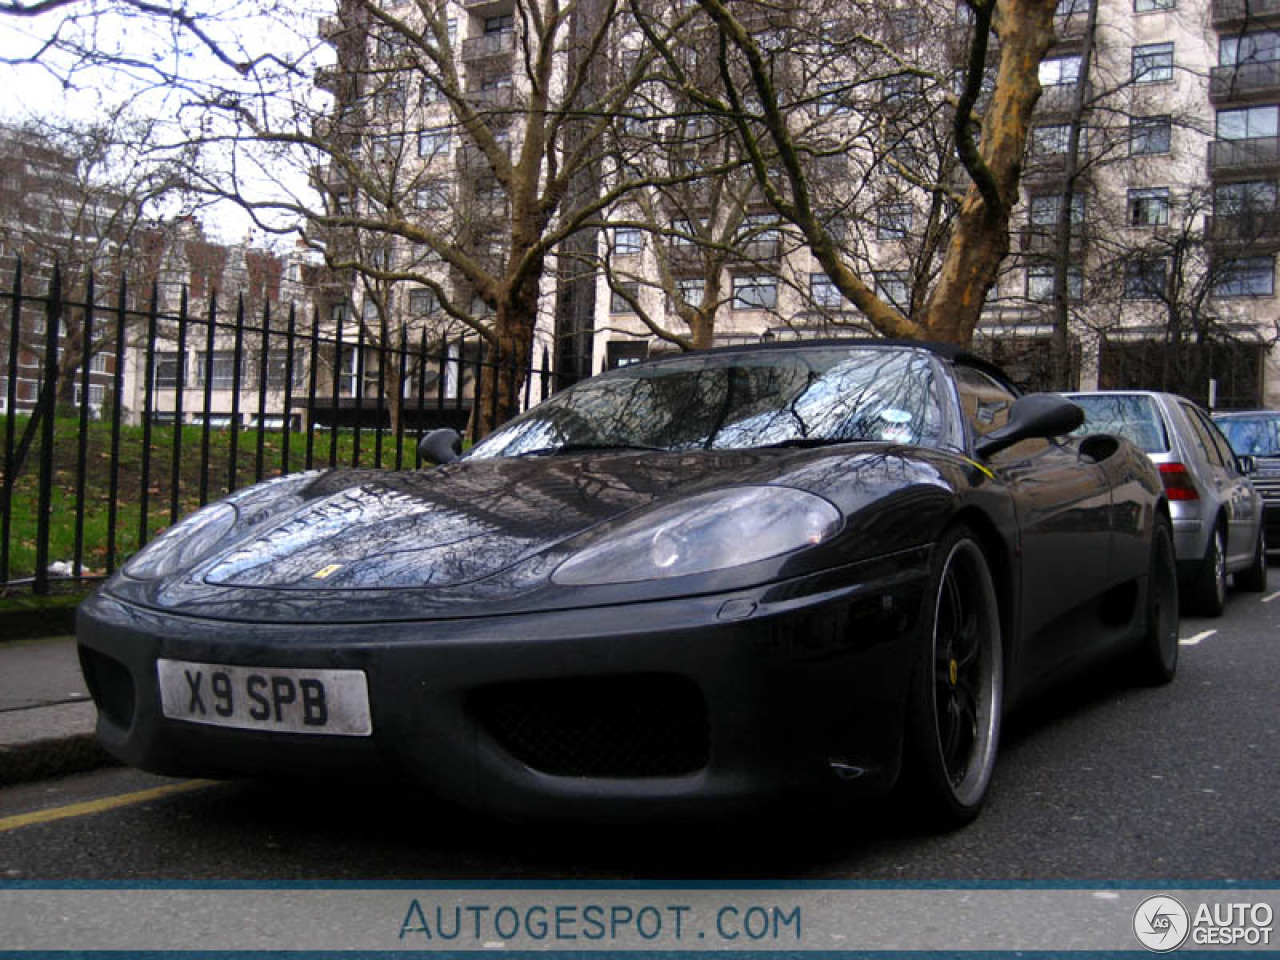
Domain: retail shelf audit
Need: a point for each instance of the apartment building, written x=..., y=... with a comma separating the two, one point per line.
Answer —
x=53, y=211
x=1144, y=238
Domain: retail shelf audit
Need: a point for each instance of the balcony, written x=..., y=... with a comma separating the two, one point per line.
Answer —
x=758, y=250
x=1256, y=155
x=492, y=99
x=1058, y=99
x=1042, y=239
x=1244, y=82
x=489, y=47
x=686, y=258
x=1255, y=230
x=488, y=8
x=1072, y=27
x=1232, y=13
x=473, y=160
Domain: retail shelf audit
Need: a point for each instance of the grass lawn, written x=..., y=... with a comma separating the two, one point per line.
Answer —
x=158, y=482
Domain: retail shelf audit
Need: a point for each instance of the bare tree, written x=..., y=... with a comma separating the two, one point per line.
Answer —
x=856, y=91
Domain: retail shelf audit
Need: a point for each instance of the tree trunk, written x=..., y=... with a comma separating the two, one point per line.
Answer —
x=980, y=239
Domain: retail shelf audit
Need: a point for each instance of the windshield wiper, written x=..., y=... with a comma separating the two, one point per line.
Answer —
x=589, y=448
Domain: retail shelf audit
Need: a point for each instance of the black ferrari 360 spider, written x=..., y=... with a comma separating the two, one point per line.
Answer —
x=677, y=587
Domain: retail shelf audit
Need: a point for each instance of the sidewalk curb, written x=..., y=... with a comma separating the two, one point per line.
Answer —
x=46, y=759
x=28, y=752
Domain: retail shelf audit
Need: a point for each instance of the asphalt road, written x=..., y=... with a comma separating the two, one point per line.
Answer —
x=1102, y=782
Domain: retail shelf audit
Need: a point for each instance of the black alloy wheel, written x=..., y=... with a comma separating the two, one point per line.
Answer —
x=957, y=692
x=1157, y=657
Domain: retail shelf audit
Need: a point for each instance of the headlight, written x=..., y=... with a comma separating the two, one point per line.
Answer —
x=710, y=531
x=183, y=544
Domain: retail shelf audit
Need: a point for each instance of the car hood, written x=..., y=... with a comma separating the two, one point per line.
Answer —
x=444, y=527
x=480, y=537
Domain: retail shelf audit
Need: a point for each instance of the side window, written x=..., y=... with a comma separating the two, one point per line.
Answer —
x=1203, y=437
x=986, y=403
x=1219, y=441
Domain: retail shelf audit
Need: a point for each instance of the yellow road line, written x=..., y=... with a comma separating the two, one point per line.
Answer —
x=101, y=805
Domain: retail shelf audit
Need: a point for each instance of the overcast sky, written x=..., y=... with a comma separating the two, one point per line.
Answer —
x=146, y=51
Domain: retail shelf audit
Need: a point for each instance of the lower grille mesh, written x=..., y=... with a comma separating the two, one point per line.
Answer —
x=647, y=725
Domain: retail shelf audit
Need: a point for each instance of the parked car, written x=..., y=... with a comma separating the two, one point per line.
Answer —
x=679, y=587
x=1256, y=434
x=1218, y=527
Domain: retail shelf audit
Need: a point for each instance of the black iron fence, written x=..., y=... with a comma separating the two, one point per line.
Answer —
x=121, y=413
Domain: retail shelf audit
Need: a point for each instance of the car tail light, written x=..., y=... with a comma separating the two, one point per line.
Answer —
x=1177, y=482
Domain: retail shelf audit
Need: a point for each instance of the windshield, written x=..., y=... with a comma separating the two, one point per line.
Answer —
x=1132, y=416
x=737, y=400
x=1253, y=436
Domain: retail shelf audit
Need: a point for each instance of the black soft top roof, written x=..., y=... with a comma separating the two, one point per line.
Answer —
x=950, y=352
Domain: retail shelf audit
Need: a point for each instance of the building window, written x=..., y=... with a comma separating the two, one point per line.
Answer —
x=1261, y=47
x=429, y=92
x=1071, y=8
x=894, y=287
x=169, y=369
x=902, y=88
x=1252, y=196
x=1153, y=63
x=893, y=221
x=755, y=293
x=627, y=240
x=759, y=229
x=423, y=302
x=1045, y=207
x=1149, y=136
x=1050, y=139
x=434, y=143
x=1145, y=279
x=387, y=148
x=1245, y=277
x=1248, y=123
x=433, y=195
x=97, y=394
x=824, y=293
x=1040, y=283
x=831, y=99
x=690, y=291
x=1060, y=71
x=277, y=372
x=623, y=296
x=1150, y=6
x=623, y=353
x=684, y=233
x=1149, y=207
x=223, y=367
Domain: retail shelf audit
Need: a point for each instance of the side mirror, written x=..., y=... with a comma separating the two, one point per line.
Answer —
x=1034, y=415
x=441, y=446
x=1247, y=464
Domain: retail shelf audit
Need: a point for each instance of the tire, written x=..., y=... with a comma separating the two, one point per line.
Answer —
x=1157, y=657
x=957, y=689
x=1253, y=578
x=1209, y=592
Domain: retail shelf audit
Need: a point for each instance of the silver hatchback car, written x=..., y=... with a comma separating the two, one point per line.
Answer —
x=1217, y=515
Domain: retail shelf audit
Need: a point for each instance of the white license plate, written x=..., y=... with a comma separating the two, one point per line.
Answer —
x=285, y=699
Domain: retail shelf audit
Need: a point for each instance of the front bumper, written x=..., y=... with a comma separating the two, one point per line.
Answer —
x=745, y=697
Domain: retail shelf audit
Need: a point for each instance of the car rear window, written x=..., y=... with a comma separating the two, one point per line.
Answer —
x=1253, y=436
x=1136, y=417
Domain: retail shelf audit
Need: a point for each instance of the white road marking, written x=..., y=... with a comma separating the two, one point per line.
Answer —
x=1195, y=641
x=1271, y=596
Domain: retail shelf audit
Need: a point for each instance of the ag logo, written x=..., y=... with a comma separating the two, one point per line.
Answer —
x=1161, y=924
